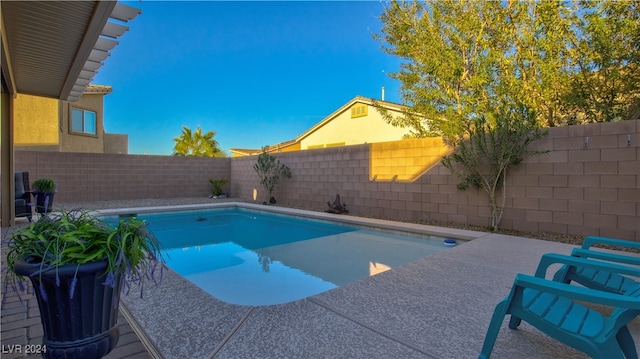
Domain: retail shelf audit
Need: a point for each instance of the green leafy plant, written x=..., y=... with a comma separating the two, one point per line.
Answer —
x=270, y=170
x=44, y=185
x=217, y=185
x=76, y=237
x=489, y=149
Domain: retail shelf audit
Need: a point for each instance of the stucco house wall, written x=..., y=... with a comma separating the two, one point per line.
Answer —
x=343, y=129
x=36, y=123
x=116, y=143
x=356, y=122
x=81, y=142
x=44, y=124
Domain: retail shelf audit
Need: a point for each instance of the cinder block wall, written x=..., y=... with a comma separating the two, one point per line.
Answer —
x=96, y=177
x=317, y=175
x=405, y=160
x=588, y=184
x=573, y=189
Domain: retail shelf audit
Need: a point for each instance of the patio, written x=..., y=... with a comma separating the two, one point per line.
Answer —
x=436, y=307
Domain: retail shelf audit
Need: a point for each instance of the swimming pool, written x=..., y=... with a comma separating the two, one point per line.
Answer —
x=250, y=257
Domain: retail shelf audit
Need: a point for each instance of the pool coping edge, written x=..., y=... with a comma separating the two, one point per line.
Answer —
x=424, y=229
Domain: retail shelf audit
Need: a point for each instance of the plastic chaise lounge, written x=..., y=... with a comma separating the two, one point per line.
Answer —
x=557, y=309
x=602, y=279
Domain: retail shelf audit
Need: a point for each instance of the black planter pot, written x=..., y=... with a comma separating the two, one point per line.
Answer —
x=82, y=327
x=44, y=201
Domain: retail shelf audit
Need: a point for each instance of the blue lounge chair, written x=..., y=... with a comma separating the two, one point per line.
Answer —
x=557, y=310
x=602, y=279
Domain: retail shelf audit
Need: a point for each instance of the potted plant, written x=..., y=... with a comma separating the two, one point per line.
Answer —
x=79, y=265
x=217, y=187
x=44, y=189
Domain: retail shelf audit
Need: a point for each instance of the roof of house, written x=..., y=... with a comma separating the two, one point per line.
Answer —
x=252, y=151
x=98, y=89
x=357, y=99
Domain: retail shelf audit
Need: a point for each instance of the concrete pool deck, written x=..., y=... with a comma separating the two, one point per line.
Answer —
x=436, y=307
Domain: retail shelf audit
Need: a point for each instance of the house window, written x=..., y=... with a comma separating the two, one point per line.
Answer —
x=359, y=110
x=83, y=121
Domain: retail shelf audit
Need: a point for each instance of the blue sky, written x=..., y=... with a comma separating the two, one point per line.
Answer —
x=256, y=73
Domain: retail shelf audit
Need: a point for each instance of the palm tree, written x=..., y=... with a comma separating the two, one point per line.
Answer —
x=196, y=144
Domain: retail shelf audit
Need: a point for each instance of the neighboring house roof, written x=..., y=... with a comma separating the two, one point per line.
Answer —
x=252, y=151
x=331, y=117
x=357, y=99
x=245, y=151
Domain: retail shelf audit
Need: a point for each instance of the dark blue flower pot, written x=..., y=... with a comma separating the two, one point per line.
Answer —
x=80, y=327
x=44, y=201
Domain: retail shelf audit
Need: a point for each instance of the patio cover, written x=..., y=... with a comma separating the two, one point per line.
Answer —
x=51, y=49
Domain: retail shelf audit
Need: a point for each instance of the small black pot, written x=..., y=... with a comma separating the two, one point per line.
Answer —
x=44, y=201
x=82, y=327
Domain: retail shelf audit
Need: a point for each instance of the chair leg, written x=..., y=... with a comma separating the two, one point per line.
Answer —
x=494, y=328
x=514, y=322
x=625, y=340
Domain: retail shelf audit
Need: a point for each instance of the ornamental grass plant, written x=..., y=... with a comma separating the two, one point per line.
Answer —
x=76, y=237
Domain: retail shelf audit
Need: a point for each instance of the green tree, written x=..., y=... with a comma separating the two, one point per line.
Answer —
x=534, y=58
x=196, y=144
x=484, y=75
x=608, y=57
x=464, y=60
x=446, y=76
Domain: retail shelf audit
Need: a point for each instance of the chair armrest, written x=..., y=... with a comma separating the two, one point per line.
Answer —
x=576, y=292
x=606, y=256
x=553, y=258
x=591, y=240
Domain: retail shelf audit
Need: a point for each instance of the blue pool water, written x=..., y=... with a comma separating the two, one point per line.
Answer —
x=256, y=258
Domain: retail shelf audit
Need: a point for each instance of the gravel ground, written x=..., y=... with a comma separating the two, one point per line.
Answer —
x=562, y=238
x=152, y=202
